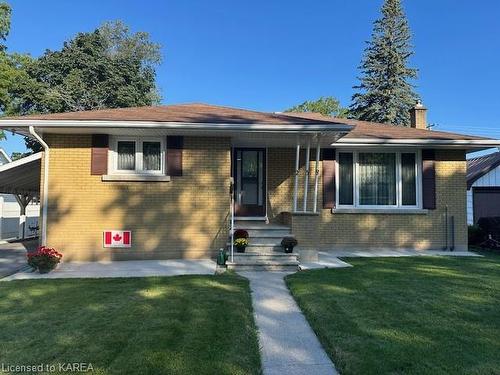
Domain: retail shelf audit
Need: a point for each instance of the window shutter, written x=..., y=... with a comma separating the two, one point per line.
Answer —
x=99, y=155
x=175, y=144
x=329, y=178
x=429, y=179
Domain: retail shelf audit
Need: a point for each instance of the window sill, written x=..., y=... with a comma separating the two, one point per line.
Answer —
x=381, y=211
x=134, y=178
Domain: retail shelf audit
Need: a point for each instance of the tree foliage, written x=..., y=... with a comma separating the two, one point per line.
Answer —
x=385, y=93
x=327, y=106
x=107, y=68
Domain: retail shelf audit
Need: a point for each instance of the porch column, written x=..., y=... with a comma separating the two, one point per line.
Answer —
x=306, y=180
x=316, y=174
x=296, y=184
x=23, y=200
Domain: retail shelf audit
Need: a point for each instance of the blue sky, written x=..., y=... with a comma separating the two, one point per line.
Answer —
x=269, y=55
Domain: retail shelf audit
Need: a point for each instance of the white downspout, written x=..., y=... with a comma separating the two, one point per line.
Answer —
x=45, y=188
x=316, y=175
x=306, y=180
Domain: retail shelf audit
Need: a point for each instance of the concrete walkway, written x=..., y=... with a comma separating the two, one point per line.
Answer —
x=13, y=255
x=138, y=268
x=288, y=344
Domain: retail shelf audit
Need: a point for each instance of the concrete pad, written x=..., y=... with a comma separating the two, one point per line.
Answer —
x=135, y=268
x=324, y=261
x=13, y=256
x=372, y=253
x=288, y=344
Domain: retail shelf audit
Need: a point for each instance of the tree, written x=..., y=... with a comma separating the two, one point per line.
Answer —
x=107, y=68
x=385, y=93
x=5, y=14
x=327, y=106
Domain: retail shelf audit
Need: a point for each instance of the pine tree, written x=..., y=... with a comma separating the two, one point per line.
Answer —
x=385, y=93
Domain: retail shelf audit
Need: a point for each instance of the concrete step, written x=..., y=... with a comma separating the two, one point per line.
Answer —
x=263, y=241
x=262, y=267
x=247, y=225
x=261, y=248
x=256, y=233
x=258, y=258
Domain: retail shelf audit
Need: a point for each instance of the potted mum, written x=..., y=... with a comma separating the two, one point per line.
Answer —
x=240, y=244
x=288, y=244
x=44, y=259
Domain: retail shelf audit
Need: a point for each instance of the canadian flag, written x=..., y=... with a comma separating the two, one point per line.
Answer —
x=117, y=238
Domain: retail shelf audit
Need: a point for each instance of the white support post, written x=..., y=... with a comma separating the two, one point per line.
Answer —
x=316, y=175
x=306, y=180
x=296, y=184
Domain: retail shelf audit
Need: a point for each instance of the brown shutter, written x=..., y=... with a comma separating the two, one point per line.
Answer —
x=428, y=179
x=99, y=156
x=329, y=178
x=175, y=144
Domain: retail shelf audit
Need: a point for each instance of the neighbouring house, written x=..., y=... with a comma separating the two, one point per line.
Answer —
x=18, y=211
x=483, y=187
x=155, y=182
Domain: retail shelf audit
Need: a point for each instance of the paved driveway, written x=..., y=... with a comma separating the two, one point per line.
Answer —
x=13, y=256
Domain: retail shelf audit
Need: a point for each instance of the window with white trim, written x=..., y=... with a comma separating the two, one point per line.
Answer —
x=137, y=155
x=378, y=179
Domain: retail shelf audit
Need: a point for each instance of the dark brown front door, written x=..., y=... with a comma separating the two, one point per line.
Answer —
x=250, y=181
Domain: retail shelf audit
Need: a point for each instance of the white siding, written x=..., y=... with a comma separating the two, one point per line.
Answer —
x=492, y=178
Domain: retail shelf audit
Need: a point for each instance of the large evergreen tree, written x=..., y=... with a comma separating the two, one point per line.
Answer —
x=385, y=93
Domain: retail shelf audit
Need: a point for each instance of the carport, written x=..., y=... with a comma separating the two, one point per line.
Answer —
x=22, y=179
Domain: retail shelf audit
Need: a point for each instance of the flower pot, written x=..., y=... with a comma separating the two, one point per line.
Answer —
x=289, y=249
x=240, y=249
x=45, y=269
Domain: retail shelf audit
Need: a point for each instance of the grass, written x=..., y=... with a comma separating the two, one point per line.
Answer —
x=418, y=315
x=156, y=325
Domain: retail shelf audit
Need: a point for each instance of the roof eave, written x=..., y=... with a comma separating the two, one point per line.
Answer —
x=13, y=125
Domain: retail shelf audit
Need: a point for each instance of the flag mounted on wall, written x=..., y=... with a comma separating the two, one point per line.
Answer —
x=117, y=238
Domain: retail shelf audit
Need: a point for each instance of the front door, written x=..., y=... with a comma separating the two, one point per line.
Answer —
x=250, y=181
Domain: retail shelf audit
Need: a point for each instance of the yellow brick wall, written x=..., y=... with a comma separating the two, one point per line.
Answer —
x=365, y=231
x=187, y=217
x=183, y=218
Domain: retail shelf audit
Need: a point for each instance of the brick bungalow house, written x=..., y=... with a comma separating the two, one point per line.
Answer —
x=164, y=174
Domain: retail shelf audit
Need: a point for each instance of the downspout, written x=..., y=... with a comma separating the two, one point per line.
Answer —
x=45, y=188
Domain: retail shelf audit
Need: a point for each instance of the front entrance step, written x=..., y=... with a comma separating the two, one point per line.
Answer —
x=264, y=262
x=262, y=267
x=258, y=225
x=263, y=241
x=260, y=233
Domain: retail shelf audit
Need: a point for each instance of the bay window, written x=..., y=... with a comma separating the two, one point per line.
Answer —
x=378, y=179
x=137, y=156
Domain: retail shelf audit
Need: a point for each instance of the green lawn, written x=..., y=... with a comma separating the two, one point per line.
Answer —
x=419, y=315
x=157, y=325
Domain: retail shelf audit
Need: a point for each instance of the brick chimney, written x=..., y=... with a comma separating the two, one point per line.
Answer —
x=418, y=116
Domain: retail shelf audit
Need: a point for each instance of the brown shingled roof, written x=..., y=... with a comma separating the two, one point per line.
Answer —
x=478, y=167
x=189, y=113
x=365, y=129
x=210, y=114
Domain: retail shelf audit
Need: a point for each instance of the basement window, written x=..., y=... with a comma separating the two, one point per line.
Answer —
x=378, y=179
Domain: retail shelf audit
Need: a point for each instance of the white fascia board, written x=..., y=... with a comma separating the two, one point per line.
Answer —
x=314, y=127
x=417, y=142
x=19, y=162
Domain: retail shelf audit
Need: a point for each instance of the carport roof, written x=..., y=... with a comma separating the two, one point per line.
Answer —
x=21, y=176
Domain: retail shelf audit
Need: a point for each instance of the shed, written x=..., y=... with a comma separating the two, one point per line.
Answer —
x=483, y=187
